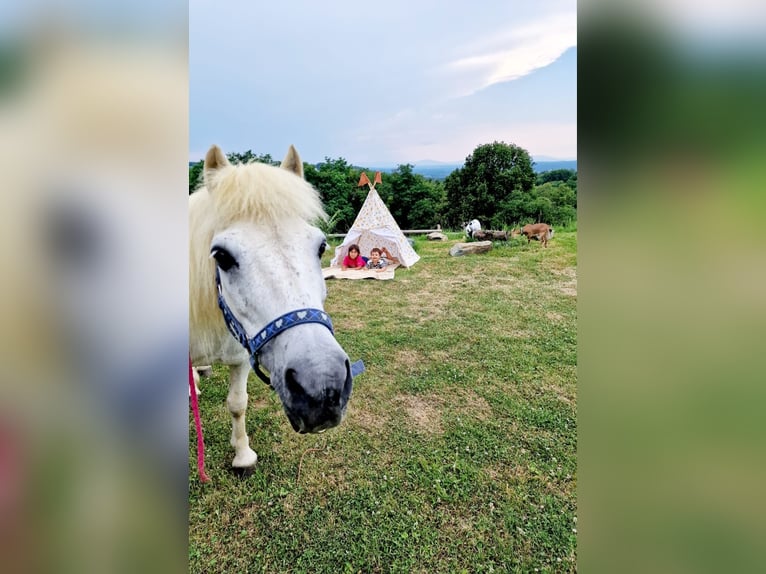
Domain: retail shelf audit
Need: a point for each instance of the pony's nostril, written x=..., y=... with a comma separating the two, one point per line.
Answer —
x=348, y=384
x=291, y=380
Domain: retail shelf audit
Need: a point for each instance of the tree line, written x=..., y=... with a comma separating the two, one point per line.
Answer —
x=496, y=185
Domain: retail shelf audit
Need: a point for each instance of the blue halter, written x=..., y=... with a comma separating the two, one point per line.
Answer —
x=253, y=345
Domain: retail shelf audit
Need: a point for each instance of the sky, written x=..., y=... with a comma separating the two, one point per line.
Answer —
x=378, y=83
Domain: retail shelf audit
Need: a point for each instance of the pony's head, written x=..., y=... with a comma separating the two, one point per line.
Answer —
x=256, y=224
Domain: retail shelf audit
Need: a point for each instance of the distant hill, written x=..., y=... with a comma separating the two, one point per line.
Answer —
x=436, y=170
x=541, y=166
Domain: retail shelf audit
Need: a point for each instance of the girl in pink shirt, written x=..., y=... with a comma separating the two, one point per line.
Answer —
x=353, y=260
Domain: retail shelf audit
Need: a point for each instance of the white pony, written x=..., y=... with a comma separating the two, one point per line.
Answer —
x=250, y=231
x=472, y=226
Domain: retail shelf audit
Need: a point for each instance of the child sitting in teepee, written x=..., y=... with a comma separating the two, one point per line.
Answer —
x=377, y=261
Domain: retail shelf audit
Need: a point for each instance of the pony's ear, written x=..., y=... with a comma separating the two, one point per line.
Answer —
x=215, y=159
x=292, y=162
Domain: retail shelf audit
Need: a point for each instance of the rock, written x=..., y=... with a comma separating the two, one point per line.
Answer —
x=470, y=248
x=436, y=236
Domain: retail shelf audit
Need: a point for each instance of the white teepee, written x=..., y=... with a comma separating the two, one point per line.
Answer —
x=374, y=226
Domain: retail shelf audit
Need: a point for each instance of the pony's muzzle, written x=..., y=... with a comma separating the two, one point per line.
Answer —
x=318, y=401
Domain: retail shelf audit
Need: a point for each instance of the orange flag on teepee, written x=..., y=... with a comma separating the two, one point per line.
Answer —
x=363, y=179
x=378, y=179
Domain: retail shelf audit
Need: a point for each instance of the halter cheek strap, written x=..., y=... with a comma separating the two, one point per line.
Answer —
x=276, y=327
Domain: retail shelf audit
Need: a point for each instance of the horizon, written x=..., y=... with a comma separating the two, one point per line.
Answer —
x=424, y=162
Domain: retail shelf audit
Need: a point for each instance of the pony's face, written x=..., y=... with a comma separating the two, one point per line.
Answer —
x=268, y=270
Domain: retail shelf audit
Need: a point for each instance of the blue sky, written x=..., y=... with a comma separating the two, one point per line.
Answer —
x=383, y=82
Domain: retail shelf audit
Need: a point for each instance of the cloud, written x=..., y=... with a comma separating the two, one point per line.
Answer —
x=453, y=142
x=393, y=96
x=512, y=54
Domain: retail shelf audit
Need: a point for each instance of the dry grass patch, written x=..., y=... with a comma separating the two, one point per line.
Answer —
x=366, y=419
x=427, y=302
x=470, y=404
x=569, y=272
x=350, y=324
x=518, y=334
x=407, y=359
x=561, y=394
x=526, y=283
x=259, y=404
x=569, y=287
x=508, y=475
x=322, y=473
x=424, y=412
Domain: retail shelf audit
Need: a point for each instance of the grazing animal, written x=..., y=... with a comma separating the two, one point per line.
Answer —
x=471, y=227
x=538, y=231
x=255, y=256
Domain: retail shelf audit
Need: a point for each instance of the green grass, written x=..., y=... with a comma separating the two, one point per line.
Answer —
x=458, y=453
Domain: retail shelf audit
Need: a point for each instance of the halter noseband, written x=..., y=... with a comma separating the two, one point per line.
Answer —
x=253, y=345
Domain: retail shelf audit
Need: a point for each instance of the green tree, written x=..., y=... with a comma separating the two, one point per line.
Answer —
x=414, y=201
x=487, y=180
x=553, y=202
x=555, y=175
x=427, y=209
x=249, y=157
x=195, y=175
x=336, y=182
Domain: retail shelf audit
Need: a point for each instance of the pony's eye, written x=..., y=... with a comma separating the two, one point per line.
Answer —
x=322, y=248
x=223, y=258
x=74, y=237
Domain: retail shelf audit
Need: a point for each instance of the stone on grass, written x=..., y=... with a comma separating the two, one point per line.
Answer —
x=470, y=248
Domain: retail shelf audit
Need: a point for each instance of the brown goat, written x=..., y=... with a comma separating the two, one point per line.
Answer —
x=538, y=231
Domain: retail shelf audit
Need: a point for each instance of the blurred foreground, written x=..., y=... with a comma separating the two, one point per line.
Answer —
x=93, y=305
x=672, y=271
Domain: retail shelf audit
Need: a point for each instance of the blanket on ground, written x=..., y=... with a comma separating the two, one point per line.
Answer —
x=338, y=273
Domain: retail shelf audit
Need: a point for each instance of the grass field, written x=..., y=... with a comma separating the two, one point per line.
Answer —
x=458, y=452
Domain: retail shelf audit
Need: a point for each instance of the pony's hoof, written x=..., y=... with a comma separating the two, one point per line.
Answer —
x=243, y=473
x=245, y=460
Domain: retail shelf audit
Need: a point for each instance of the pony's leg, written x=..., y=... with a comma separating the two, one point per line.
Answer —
x=244, y=456
x=195, y=376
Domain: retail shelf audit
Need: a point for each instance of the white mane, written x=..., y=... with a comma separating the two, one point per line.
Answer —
x=254, y=192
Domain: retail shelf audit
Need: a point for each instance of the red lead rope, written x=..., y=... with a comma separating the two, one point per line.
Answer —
x=198, y=427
